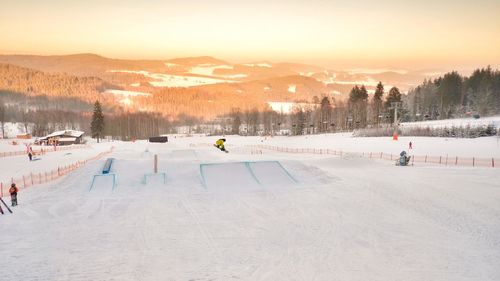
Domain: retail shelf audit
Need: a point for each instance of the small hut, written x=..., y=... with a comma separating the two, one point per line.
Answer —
x=66, y=137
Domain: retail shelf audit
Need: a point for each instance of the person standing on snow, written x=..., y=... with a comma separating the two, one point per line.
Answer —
x=410, y=145
x=13, y=194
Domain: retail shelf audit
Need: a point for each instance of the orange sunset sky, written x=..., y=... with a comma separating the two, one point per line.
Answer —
x=337, y=33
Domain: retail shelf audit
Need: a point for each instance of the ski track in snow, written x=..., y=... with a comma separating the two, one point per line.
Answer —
x=345, y=219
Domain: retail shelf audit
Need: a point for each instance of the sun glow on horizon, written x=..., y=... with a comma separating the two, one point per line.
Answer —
x=365, y=33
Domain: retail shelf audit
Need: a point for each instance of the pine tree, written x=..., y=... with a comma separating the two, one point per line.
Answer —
x=393, y=96
x=325, y=114
x=358, y=98
x=377, y=101
x=97, y=125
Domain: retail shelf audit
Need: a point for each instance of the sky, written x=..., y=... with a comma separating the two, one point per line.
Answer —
x=336, y=33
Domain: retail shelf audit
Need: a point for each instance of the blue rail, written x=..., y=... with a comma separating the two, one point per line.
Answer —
x=107, y=166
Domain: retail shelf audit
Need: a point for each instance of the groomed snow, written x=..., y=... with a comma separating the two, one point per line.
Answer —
x=208, y=69
x=459, y=122
x=344, y=219
x=169, y=80
x=261, y=64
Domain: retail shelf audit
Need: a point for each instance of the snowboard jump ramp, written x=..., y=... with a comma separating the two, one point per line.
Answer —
x=245, y=176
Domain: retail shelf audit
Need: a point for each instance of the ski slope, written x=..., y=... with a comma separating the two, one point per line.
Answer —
x=459, y=122
x=244, y=216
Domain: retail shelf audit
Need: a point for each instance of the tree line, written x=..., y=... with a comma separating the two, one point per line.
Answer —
x=449, y=96
x=454, y=96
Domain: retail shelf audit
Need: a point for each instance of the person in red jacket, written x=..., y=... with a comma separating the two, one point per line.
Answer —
x=13, y=194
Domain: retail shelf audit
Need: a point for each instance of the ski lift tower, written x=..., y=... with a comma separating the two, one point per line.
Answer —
x=395, y=105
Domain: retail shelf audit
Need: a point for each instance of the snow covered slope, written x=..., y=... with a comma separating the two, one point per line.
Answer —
x=459, y=122
x=344, y=219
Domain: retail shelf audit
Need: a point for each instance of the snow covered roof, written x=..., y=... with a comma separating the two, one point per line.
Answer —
x=68, y=133
x=66, y=139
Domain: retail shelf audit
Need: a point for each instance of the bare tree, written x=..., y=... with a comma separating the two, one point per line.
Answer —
x=2, y=118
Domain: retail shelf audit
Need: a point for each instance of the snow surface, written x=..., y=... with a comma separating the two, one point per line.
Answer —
x=287, y=107
x=72, y=133
x=208, y=70
x=169, y=65
x=344, y=219
x=127, y=93
x=486, y=147
x=261, y=64
x=17, y=166
x=376, y=70
x=169, y=80
x=369, y=82
x=459, y=122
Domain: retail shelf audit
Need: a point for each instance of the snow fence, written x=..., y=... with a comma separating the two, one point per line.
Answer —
x=42, y=151
x=439, y=160
x=42, y=177
x=245, y=176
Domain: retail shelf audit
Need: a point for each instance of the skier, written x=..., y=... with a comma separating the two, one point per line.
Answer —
x=220, y=144
x=13, y=194
x=410, y=145
x=30, y=154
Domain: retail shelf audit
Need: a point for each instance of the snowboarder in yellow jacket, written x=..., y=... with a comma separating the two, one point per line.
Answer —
x=220, y=144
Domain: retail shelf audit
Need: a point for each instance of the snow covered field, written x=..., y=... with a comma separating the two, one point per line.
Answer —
x=170, y=80
x=247, y=216
x=459, y=122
